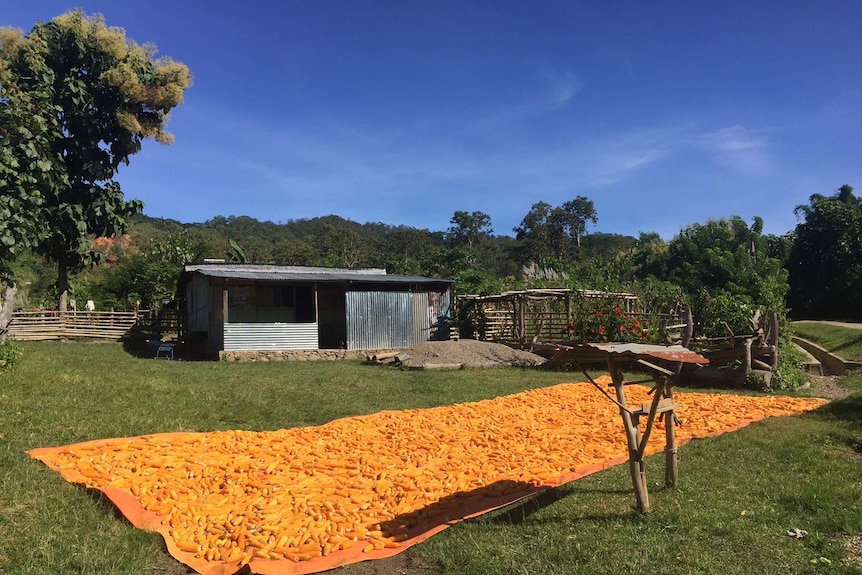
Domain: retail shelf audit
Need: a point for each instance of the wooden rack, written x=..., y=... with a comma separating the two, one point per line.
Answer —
x=663, y=364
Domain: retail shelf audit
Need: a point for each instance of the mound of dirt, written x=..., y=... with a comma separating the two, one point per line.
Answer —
x=469, y=353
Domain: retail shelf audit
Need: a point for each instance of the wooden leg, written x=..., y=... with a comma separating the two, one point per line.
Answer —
x=643, y=501
x=671, y=462
x=636, y=466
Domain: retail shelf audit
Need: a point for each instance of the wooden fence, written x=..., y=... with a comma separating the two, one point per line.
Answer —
x=45, y=325
x=534, y=314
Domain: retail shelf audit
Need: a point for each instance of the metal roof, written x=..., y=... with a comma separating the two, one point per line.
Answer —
x=304, y=274
x=599, y=351
x=676, y=353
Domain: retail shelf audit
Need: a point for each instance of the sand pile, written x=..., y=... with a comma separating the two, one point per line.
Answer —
x=468, y=353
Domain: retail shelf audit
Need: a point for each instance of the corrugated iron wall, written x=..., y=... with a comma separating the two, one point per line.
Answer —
x=380, y=320
x=388, y=320
x=265, y=336
x=375, y=320
x=421, y=318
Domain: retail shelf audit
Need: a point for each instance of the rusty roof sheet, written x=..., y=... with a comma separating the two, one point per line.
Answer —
x=674, y=353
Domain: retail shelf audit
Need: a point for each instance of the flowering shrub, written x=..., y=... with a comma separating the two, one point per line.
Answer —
x=599, y=324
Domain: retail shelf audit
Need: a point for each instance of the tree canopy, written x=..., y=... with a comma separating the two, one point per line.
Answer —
x=547, y=232
x=94, y=96
x=27, y=125
x=469, y=228
x=825, y=261
x=726, y=269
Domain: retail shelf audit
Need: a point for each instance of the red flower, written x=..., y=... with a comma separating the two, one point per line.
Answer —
x=600, y=314
x=618, y=310
x=622, y=328
x=602, y=330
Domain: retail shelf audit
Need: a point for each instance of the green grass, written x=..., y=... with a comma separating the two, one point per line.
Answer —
x=845, y=342
x=739, y=492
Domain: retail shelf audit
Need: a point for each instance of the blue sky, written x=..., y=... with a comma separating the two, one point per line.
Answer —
x=402, y=112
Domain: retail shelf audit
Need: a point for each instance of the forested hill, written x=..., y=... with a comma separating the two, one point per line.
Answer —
x=725, y=263
x=468, y=251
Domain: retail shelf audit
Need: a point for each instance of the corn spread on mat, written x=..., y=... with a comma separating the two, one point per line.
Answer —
x=309, y=499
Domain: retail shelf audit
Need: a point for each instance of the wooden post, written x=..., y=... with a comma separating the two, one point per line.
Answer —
x=316, y=305
x=224, y=304
x=689, y=326
x=636, y=464
x=773, y=338
x=746, y=360
x=522, y=318
x=671, y=461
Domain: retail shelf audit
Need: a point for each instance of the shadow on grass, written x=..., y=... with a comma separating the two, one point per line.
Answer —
x=850, y=343
x=520, y=499
x=518, y=513
x=460, y=505
x=848, y=409
x=139, y=348
x=146, y=349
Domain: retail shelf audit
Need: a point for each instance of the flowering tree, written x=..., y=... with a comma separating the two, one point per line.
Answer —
x=90, y=96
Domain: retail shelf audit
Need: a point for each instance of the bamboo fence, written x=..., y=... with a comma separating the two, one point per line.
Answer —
x=46, y=324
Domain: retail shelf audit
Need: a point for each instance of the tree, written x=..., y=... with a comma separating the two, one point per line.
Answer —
x=572, y=217
x=341, y=246
x=148, y=278
x=537, y=234
x=728, y=262
x=548, y=232
x=27, y=128
x=649, y=256
x=99, y=95
x=825, y=261
x=468, y=229
x=292, y=252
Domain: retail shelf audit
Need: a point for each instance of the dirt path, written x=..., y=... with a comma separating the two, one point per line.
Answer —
x=828, y=387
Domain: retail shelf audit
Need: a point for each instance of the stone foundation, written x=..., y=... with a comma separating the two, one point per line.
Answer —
x=298, y=355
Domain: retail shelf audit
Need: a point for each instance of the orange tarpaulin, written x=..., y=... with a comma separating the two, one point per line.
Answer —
x=309, y=499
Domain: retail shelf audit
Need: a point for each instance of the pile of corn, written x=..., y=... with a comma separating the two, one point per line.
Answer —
x=375, y=481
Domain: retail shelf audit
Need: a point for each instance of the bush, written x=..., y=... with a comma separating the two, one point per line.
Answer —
x=10, y=352
x=788, y=373
x=735, y=310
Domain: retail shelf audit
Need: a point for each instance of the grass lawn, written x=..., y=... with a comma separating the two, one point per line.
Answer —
x=739, y=493
x=845, y=342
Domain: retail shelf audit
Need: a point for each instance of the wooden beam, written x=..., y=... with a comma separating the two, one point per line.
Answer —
x=655, y=367
x=639, y=381
x=663, y=406
x=649, y=425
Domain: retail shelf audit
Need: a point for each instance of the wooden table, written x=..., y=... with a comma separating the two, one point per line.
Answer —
x=663, y=364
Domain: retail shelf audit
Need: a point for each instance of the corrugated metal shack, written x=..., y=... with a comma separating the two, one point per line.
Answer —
x=243, y=307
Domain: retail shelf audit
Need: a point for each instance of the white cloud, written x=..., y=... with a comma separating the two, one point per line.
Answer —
x=738, y=148
x=563, y=85
x=551, y=89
